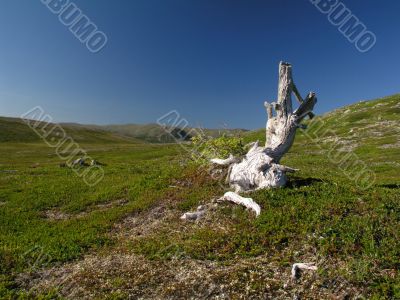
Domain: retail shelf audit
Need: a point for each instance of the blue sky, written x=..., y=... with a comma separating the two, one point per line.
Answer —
x=214, y=61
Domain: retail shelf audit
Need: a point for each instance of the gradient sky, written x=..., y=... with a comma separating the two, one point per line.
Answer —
x=214, y=61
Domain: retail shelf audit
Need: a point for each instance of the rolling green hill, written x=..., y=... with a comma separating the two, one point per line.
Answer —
x=154, y=133
x=13, y=129
x=16, y=130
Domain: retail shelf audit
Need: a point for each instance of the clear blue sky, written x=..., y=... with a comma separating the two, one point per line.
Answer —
x=215, y=61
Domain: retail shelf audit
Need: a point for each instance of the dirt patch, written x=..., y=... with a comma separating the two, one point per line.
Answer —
x=55, y=215
x=115, y=203
x=58, y=215
x=390, y=146
x=9, y=171
x=139, y=225
x=391, y=163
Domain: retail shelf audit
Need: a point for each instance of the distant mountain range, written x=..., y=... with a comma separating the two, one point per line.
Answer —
x=16, y=130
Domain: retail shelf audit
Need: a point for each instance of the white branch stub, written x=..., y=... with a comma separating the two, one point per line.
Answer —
x=246, y=202
x=297, y=267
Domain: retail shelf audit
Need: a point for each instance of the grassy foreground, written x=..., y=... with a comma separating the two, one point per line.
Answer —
x=33, y=186
x=123, y=237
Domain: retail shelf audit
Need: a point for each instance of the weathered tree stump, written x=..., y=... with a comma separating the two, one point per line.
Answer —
x=260, y=167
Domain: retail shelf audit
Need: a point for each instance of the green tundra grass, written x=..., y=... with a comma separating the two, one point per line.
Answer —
x=123, y=237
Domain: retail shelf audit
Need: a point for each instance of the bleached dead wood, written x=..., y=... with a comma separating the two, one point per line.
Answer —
x=194, y=216
x=78, y=162
x=296, y=268
x=260, y=167
x=225, y=162
x=246, y=202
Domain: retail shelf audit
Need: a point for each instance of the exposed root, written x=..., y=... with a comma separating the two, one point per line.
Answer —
x=225, y=162
x=296, y=268
x=246, y=202
x=194, y=216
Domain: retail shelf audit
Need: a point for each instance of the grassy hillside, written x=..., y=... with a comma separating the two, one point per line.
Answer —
x=16, y=130
x=123, y=237
x=156, y=134
x=368, y=129
x=152, y=133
